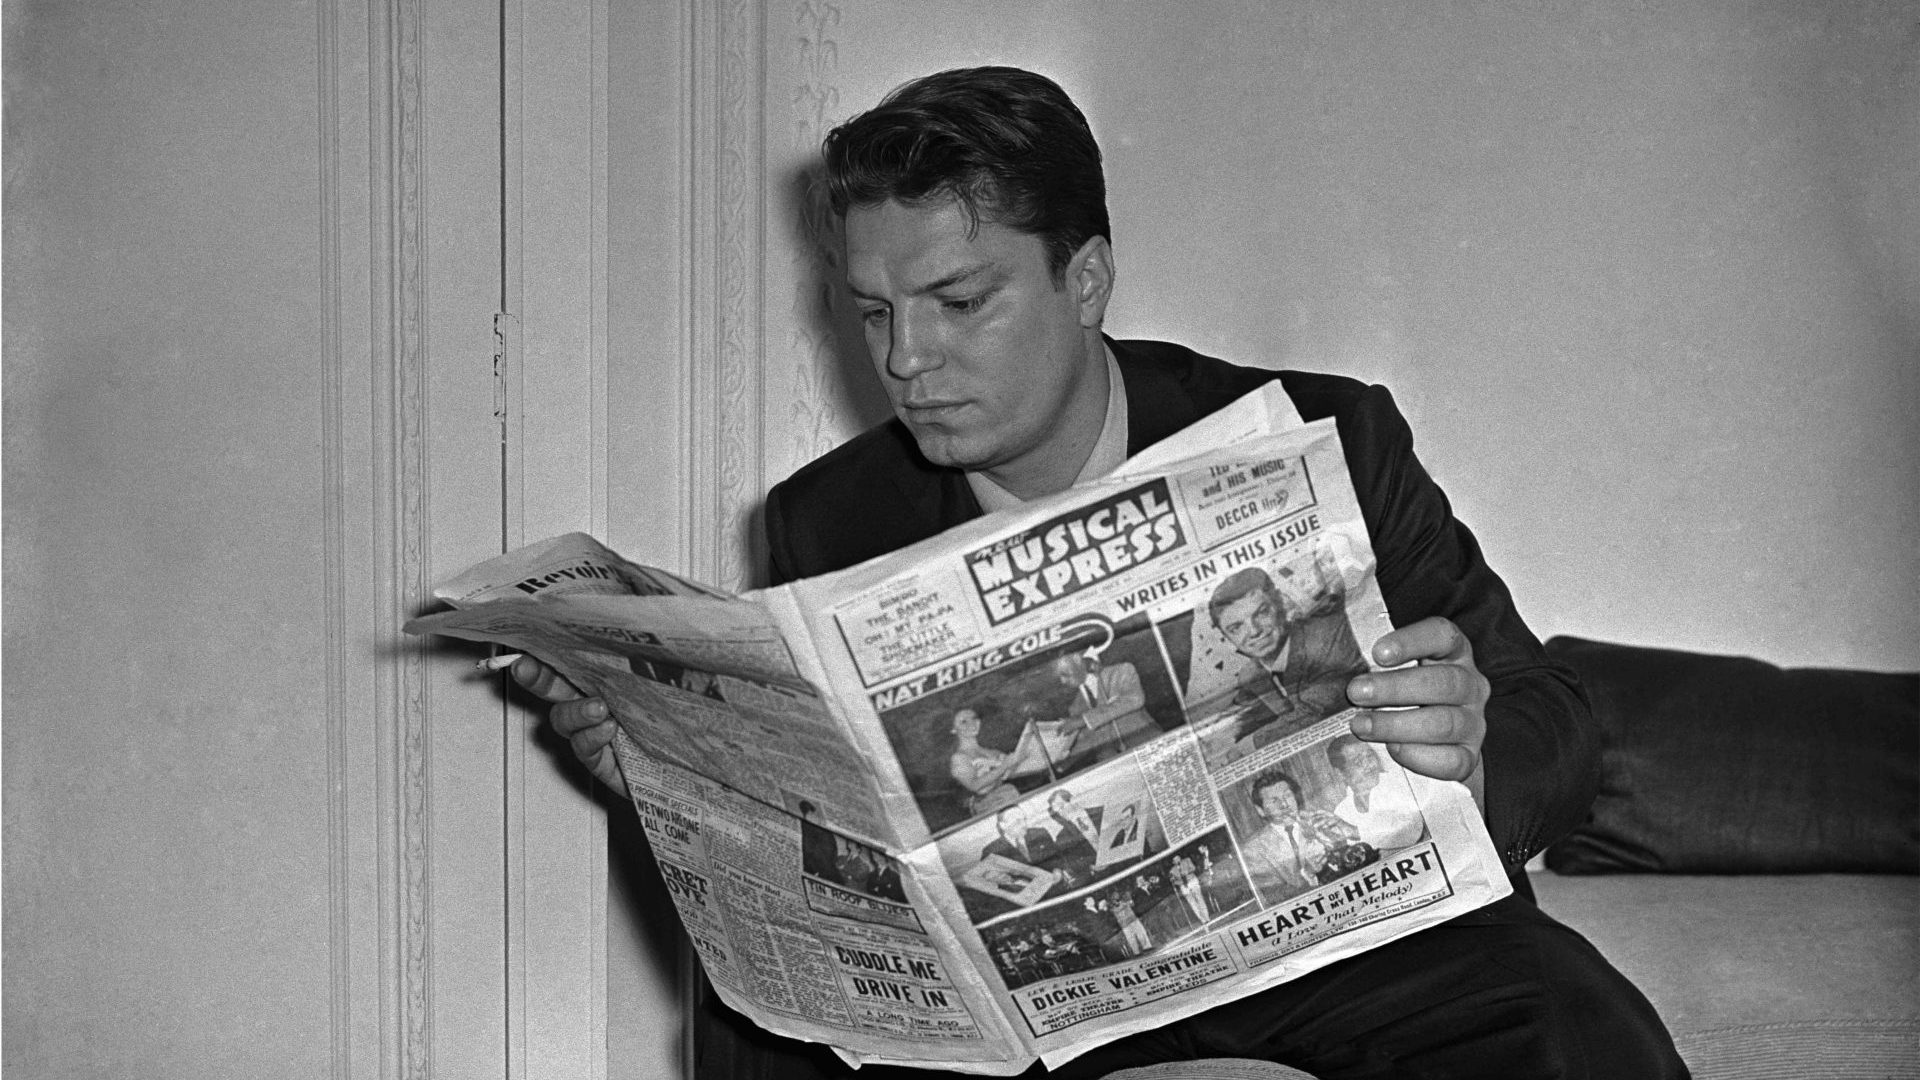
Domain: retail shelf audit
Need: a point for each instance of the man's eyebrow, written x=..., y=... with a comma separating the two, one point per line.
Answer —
x=965, y=273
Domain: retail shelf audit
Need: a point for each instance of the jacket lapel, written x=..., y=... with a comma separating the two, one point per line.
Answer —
x=1158, y=403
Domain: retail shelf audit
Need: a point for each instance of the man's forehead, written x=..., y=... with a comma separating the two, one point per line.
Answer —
x=1248, y=604
x=914, y=248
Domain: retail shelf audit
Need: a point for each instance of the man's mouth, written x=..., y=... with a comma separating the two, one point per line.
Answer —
x=931, y=411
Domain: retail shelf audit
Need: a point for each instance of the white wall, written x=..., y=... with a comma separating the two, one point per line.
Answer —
x=253, y=255
x=1645, y=278
x=167, y=827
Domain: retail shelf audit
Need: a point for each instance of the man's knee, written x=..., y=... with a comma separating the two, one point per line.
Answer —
x=1504, y=992
x=1593, y=1022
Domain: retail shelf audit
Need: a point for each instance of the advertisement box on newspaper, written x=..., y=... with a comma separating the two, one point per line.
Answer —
x=1060, y=774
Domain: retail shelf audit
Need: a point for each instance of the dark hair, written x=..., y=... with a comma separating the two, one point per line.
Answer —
x=1270, y=778
x=1343, y=745
x=1010, y=145
x=1239, y=584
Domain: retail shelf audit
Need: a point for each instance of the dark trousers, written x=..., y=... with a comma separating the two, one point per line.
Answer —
x=1501, y=992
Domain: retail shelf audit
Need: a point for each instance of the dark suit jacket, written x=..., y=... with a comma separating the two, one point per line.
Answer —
x=1074, y=851
x=876, y=494
x=1322, y=656
x=1039, y=848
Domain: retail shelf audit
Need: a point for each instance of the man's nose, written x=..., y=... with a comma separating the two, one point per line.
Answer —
x=914, y=349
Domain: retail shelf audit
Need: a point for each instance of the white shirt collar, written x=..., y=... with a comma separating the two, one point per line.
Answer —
x=1280, y=659
x=1109, y=450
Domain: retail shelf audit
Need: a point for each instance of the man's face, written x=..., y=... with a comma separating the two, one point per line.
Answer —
x=1254, y=626
x=1070, y=670
x=1012, y=824
x=1359, y=768
x=1277, y=804
x=992, y=364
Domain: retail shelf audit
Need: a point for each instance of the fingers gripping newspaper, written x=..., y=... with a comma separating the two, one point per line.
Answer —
x=1057, y=775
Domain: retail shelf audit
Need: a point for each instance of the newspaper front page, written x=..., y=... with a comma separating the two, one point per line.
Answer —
x=1057, y=775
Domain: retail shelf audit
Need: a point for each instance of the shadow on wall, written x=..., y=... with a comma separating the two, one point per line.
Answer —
x=835, y=394
x=833, y=352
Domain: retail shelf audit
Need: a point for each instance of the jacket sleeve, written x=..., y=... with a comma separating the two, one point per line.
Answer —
x=1541, y=755
x=780, y=559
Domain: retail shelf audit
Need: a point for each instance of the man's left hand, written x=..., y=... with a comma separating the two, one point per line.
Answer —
x=1440, y=735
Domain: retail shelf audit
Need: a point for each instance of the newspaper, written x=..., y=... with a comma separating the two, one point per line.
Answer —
x=1057, y=775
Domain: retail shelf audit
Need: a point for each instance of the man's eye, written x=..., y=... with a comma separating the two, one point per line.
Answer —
x=873, y=315
x=966, y=305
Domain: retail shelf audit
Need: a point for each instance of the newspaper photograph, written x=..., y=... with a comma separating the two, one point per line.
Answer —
x=803, y=929
x=1060, y=774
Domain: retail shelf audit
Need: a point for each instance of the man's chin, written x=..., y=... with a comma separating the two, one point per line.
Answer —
x=1263, y=657
x=948, y=451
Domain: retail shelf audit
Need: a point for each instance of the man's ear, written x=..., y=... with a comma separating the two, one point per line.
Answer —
x=1090, y=275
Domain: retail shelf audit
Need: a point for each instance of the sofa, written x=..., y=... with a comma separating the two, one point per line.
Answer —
x=1750, y=862
x=1750, y=859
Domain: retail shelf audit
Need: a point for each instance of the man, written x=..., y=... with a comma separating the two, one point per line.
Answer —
x=1284, y=856
x=1302, y=660
x=1123, y=840
x=1384, y=811
x=885, y=881
x=1017, y=840
x=1186, y=883
x=1132, y=930
x=1108, y=704
x=1075, y=833
x=817, y=848
x=978, y=251
x=1085, y=825
x=853, y=863
x=1208, y=875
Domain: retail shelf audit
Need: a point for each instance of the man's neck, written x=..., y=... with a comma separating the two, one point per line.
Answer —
x=1108, y=450
x=1278, y=664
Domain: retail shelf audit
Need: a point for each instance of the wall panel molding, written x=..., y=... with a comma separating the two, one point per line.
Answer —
x=727, y=157
x=336, y=548
x=815, y=418
x=333, y=542
x=401, y=501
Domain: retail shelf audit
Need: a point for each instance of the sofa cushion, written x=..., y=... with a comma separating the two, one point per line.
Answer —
x=1724, y=764
x=1804, y=1050
x=1789, y=976
x=1713, y=951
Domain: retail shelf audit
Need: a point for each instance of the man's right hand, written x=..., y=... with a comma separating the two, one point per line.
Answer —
x=583, y=721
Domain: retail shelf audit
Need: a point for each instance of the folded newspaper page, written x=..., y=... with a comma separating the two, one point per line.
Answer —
x=1060, y=774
